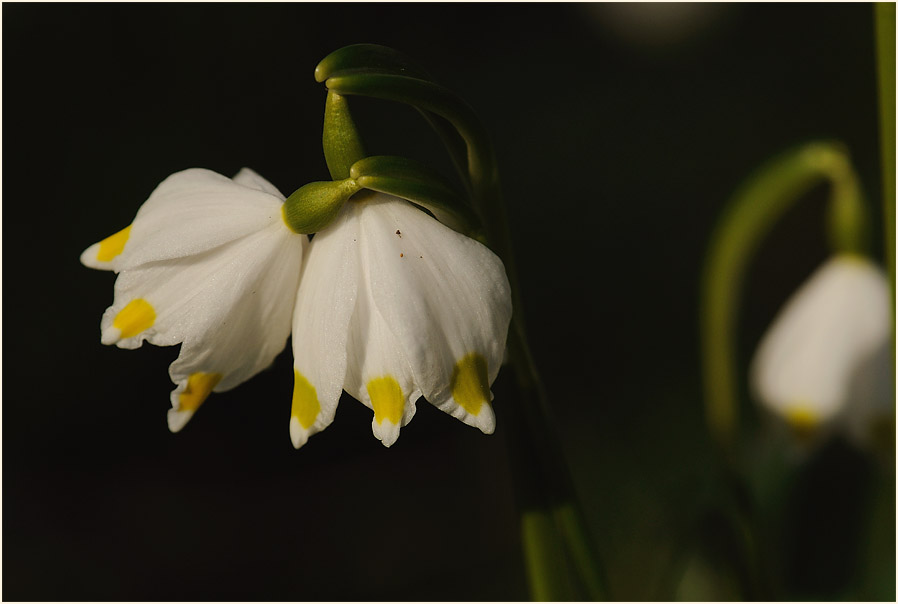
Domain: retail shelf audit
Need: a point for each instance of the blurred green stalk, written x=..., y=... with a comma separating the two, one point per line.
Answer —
x=544, y=558
x=885, y=62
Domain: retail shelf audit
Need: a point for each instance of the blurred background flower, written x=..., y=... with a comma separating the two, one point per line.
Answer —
x=824, y=364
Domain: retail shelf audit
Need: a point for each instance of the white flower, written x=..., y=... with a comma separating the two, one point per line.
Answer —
x=209, y=263
x=392, y=306
x=827, y=359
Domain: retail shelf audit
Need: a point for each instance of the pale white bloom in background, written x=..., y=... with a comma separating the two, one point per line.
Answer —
x=209, y=263
x=392, y=306
x=826, y=362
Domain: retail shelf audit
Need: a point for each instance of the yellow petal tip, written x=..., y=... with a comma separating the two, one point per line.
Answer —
x=386, y=399
x=470, y=383
x=113, y=245
x=306, y=407
x=136, y=317
x=199, y=387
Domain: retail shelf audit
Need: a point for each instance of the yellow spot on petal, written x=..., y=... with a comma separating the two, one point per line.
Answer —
x=803, y=420
x=470, y=383
x=386, y=398
x=305, y=401
x=199, y=386
x=113, y=245
x=136, y=317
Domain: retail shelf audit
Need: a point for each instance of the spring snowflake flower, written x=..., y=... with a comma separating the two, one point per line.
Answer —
x=392, y=306
x=208, y=263
x=826, y=360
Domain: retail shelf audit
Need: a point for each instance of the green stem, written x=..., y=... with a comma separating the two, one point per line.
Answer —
x=750, y=215
x=573, y=527
x=374, y=58
x=544, y=558
x=543, y=481
x=881, y=524
x=885, y=63
x=542, y=472
x=427, y=96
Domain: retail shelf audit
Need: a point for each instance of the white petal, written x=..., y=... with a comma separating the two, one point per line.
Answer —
x=447, y=301
x=170, y=301
x=250, y=178
x=231, y=307
x=829, y=328
x=324, y=304
x=871, y=394
x=195, y=211
x=188, y=213
x=378, y=374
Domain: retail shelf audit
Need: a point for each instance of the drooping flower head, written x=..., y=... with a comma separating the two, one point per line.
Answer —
x=826, y=360
x=388, y=302
x=392, y=306
x=208, y=263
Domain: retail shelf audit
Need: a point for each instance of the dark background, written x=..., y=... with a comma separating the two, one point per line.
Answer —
x=621, y=130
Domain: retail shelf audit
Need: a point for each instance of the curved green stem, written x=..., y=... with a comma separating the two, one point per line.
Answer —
x=481, y=165
x=412, y=181
x=546, y=466
x=374, y=58
x=436, y=99
x=551, y=513
x=367, y=58
x=751, y=214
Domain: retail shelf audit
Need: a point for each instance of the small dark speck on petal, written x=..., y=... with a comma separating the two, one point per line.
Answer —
x=398, y=233
x=421, y=257
x=401, y=255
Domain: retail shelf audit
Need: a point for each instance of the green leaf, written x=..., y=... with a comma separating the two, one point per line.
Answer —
x=341, y=142
x=415, y=182
x=313, y=206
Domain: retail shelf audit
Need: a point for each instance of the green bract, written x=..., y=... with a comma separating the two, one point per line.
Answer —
x=313, y=206
x=342, y=145
x=415, y=182
x=388, y=74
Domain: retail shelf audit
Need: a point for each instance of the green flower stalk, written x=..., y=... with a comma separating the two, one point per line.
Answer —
x=885, y=64
x=552, y=523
